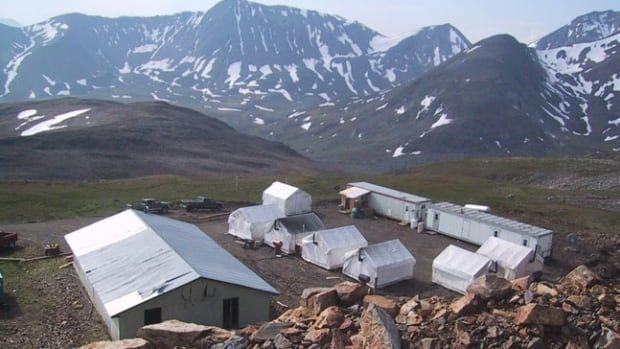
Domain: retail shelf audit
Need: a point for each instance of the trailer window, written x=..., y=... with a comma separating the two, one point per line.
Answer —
x=524, y=242
x=495, y=233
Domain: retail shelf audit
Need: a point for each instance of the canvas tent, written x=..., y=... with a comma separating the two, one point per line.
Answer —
x=291, y=230
x=252, y=222
x=384, y=263
x=139, y=269
x=513, y=260
x=327, y=248
x=455, y=268
x=289, y=199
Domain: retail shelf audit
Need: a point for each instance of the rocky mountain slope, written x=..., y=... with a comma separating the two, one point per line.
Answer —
x=75, y=139
x=246, y=63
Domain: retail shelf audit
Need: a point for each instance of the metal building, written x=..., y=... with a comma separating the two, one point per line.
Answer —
x=476, y=227
x=398, y=205
x=140, y=269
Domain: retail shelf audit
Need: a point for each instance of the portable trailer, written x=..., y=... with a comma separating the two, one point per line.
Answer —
x=477, y=227
x=398, y=205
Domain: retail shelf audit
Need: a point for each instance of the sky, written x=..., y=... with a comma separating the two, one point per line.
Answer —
x=527, y=20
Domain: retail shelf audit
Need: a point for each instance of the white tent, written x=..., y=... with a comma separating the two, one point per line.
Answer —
x=513, y=260
x=251, y=223
x=455, y=268
x=326, y=248
x=289, y=199
x=384, y=263
x=291, y=230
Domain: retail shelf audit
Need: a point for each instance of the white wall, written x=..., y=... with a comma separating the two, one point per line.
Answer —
x=394, y=208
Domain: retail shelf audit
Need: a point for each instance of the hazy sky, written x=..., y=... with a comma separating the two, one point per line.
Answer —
x=527, y=20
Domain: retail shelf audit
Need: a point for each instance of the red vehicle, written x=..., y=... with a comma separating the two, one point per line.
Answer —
x=7, y=240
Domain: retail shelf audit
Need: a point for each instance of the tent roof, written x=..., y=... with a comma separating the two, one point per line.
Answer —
x=280, y=190
x=132, y=257
x=261, y=213
x=389, y=192
x=354, y=192
x=460, y=262
x=388, y=252
x=340, y=237
x=501, y=222
x=505, y=252
x=302, y=223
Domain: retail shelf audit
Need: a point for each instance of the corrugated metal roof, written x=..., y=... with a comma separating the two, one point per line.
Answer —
x=388, y=252
x=261, y=213
x=302, y=223
x=501, y=222
x=339, y=237
x=132, y=257
x=280, y=190
x=389, y=192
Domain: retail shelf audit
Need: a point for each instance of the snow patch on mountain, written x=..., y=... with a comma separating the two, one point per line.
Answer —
x=53, y=123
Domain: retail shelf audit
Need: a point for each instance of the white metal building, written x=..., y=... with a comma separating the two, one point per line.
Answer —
x=513, y=261
x=455, y=268
x=385, y=263
x=291, y=230
x=476, y=227
x=394, y=204
x=252, y=222
x=141, y=269
x=327, y=248
x=291, y=200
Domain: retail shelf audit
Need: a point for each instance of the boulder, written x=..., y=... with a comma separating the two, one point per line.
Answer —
x=322, y=300
x=269, y=331
x=385, y=303
x=331, y=317
x=490, y=287
x=608, y=339
x=339, y=340
x=169, y=334
x=234, y=342
x=357, y=341
x=309, y=292
x=299, y=314
x=521, y=284
x=577, y=343
x=430, y=343
x=351, y=293
x=378, y=329
x=133, y=343
x=543, y=289
x=469, y=304
x=538, y=314
x=281, y=342
x=579, y=279
x=319, y=336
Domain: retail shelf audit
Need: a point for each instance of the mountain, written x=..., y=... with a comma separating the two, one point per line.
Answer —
x=590, y=27
x=497, y=98
x=246, y=63
x=10, y=22
x=76, y=139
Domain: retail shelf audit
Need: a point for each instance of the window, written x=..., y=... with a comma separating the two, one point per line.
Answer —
x=524, y=242
x=495, y=233
x=436, y=216
x=230, y=317
x=152, y=316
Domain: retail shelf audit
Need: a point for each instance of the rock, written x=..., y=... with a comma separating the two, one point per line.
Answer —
x=535, y=343
x=281, y=342
x=357, y=341
x=521, y=284
x=133, y=343
x=322, y=300
x=269, y=331
x=299, y=314
x=378, y=329
x=234, y=342
x=577, y=343
x=339, y=340
x=440, y=314
x=579, y=279
x=169, y=334
x=331, y=317
x=309, y=292
x=490, y=287
x=537, y=314
x=543, y=289
x=246, y=331
x=581, y=302
x=347, y=325
x=351, y=293
x=385, y=303
x=469, y=304
x=608, y=339
x=430, y=343
x=409, y=306
x=426, y=308
x=462, y=337
x=321, y=336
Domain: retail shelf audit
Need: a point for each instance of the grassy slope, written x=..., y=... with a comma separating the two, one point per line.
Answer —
x=497, y=183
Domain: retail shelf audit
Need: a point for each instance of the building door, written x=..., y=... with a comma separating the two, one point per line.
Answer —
x=436, y=221
x=152, y=316
x=231, y=313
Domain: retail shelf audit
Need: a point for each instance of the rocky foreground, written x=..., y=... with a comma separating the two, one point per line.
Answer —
x=578, y=312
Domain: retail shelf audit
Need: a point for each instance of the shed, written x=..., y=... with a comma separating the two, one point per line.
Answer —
x=398, y=205
x=354, y=197
x=252, y=222
x=384, y=263
x=327, y=248
x=292, y=229
x=513, y=261
x=477, y=227
x=141, y=269
x=291, y=200
x=455, y=268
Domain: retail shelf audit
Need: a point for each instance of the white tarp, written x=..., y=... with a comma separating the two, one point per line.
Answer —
x=291, y=230
x=289, y=199
x=326, y=248
x=251, y=223
x=385, y=263
x=513, y=260
x=354, y=192
x=455, y=268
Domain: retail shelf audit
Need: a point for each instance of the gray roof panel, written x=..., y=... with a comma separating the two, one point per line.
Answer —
x=390, y=192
